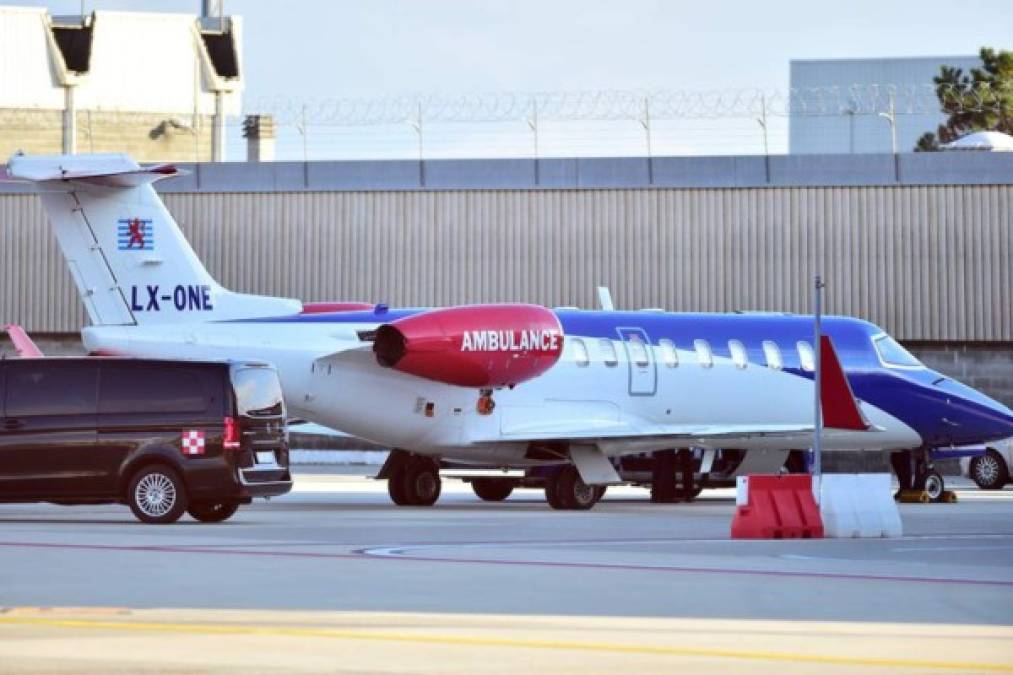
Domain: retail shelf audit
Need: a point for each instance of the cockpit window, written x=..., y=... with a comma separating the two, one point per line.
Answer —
x=892, y=354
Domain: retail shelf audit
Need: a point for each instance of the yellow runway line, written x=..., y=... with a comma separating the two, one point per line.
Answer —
x=464, y=641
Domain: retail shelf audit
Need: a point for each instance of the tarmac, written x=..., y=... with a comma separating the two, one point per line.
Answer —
x=333, y=578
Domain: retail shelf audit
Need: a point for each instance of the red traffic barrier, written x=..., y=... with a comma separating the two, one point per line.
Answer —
x=776, y=507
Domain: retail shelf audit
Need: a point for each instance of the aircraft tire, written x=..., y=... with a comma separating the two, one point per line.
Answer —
x=552, y=494
x=492, y=489
x=573, y=493
x=396, y=487
x=932, y=483
x=421, y=482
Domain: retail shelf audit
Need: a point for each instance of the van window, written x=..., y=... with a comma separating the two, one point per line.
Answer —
x=608, y=352
x=638, y=350
x=738, y=351
x=703, y=353
x=52, y=388
x=806, y=356
x=669, y=356
x=773, y=355
x=580, y=356
x=258, y=392
x=141, y=388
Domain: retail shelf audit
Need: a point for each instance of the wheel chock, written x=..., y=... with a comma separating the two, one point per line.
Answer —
x=948, y=497
x=913, y=497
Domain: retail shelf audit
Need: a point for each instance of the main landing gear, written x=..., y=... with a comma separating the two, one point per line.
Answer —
x=492, y=489
x=672, y=477
x=412, y=480
x=567, y=491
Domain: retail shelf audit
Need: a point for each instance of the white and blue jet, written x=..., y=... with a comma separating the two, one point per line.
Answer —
x=555, y=393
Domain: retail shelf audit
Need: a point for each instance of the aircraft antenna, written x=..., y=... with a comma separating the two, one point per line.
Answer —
x=605, y=299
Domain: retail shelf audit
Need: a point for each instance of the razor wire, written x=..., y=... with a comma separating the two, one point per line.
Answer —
x=613, y=105
x=535, y=124
x=586, y=105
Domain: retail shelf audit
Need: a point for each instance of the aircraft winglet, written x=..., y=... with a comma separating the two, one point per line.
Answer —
x=840, y=409
x=23, y=344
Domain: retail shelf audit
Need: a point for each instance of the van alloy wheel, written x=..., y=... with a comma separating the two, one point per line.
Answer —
x=155, y=495
x=989, y=471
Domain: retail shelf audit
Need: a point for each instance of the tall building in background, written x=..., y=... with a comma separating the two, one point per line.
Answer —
x=158, y=86
x=836, y=103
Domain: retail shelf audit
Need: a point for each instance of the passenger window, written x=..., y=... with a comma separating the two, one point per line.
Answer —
x=51, y=389
x=806, y=357
x=638, y=350
x=145, y=389
x=703, y=353
x=580, y=356
x=608, y=352
x=739, y=357
x=669, y=356
x=773, y=355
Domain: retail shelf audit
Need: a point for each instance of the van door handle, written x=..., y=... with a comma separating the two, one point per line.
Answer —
x=11, y=425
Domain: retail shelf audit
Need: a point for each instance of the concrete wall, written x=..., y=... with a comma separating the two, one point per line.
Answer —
x=986, y=367
x=148, y=137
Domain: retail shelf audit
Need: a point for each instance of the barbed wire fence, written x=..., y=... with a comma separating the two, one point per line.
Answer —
x=573, y=123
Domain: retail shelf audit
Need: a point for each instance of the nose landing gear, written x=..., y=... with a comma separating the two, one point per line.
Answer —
x=919, y=480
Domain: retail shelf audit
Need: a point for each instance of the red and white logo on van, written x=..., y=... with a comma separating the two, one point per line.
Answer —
x=193, y=442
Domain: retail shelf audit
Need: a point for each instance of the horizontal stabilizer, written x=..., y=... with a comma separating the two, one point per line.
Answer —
x=23, y=344
x=840, y=409
x=107, y=170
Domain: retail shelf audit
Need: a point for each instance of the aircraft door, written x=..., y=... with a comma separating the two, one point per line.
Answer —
x=643, y=370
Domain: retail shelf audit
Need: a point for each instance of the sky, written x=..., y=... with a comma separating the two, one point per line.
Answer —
x=315, y=49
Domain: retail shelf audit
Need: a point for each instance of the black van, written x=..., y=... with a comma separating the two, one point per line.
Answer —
x=164, y=437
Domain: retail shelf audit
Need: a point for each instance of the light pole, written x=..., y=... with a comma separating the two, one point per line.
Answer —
x=416, y=124
x=762, y=120
x=533, y=125
x=891, y=116
x=645, y=121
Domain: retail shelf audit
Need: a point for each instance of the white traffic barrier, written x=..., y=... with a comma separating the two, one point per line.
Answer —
x=859, y=505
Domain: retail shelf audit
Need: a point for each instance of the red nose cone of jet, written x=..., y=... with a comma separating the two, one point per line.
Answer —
x=474, y=346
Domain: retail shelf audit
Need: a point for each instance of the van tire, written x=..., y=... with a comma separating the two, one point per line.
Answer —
x=989, y=471
x=156, y=494
x=213, y=512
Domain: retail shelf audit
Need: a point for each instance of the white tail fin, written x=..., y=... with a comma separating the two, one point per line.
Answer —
x=128, y=257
